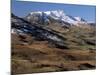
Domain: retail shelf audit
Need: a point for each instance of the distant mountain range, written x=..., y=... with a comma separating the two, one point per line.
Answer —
x=57, y=15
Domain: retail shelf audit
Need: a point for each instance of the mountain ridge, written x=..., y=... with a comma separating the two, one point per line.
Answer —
x=59, y=15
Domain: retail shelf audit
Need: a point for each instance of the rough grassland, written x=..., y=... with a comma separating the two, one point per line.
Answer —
x=41, y=56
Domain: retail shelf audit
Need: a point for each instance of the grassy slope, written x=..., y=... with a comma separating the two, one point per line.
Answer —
x=40, y=56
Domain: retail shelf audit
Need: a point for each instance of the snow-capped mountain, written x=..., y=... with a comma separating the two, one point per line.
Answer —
x=57, y=15
x=80, y=19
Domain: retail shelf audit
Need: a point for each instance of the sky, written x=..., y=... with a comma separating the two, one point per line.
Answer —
x=21, y=8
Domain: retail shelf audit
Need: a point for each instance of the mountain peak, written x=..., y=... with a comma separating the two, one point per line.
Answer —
x=79, y=19
x=58, y=15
